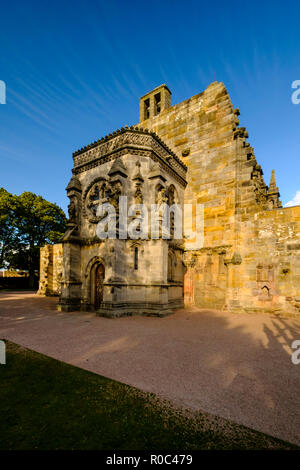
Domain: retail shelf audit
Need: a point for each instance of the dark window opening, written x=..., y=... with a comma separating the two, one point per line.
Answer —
x=136, y=258
x=147, y=108
x=157, y=103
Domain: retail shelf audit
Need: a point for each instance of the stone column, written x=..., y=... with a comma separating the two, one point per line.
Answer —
x=70, y=298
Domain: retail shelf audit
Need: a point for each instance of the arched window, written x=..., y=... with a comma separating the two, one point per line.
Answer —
x=136, y=257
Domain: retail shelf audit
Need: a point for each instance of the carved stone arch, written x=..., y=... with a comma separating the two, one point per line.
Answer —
x=90, y=278
x=92, y=261
x=172, y=192
x=265, y=293
x=173, y=200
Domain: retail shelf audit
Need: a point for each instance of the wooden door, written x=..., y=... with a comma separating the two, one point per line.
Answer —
x=99, y=278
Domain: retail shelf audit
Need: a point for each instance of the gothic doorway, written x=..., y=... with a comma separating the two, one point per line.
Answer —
x=98, y=285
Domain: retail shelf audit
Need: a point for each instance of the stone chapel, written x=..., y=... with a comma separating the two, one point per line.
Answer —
x=192, y=152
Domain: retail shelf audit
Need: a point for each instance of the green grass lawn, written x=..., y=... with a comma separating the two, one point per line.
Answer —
x=47, y=404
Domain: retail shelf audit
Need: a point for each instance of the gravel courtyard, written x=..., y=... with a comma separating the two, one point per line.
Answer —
x=235, y=366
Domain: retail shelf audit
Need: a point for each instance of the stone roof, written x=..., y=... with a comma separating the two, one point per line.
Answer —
x=155, y=90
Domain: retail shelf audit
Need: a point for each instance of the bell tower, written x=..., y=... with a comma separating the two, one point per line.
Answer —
x=154, y=102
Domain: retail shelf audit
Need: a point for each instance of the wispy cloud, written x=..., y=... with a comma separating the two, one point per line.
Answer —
x=295, y=201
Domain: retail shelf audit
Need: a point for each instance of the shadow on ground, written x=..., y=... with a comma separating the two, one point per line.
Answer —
x=235, y=366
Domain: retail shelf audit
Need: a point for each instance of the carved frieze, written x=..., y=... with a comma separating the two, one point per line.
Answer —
x=132, y=139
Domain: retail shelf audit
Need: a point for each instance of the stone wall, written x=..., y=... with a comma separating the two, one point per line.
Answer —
x=245, y=228
x=50, y=269
x=269, y=277
x=200, y=131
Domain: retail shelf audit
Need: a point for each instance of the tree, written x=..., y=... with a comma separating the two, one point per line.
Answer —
x=33, y=222
x=7, y=229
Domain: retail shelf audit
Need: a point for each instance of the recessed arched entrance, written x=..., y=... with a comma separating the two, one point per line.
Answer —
x=95, y=275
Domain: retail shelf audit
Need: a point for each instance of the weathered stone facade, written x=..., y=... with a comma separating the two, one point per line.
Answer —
x=50, y=269
x=250, y=258
x=118, y=276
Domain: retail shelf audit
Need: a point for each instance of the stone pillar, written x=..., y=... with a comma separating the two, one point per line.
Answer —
x=70, y=298
x=234, y=282
x=189, y=262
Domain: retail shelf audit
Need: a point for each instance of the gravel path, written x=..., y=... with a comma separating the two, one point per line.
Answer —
x=235, y=366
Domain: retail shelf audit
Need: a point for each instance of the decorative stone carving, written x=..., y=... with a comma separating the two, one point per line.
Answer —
x=101, y=192
x=118, y=168
x=73, y=211
x=137, y=175
x=74, y=185
x=138, y=178
x=138, y=195
x=161, y=196
x=189, y=260
x=121, y=139
x=185, y=152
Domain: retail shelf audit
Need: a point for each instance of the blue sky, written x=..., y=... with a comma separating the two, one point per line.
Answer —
x=74, y=71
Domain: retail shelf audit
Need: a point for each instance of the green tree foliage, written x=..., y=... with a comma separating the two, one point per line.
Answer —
x=27, y=222
x=7, y=229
